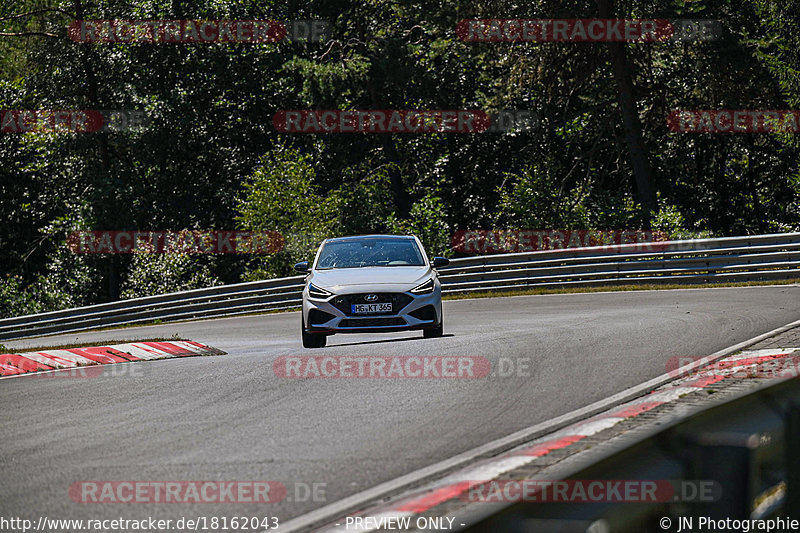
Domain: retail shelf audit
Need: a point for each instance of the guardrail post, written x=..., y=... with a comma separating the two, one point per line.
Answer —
x=792, y=435
x=728, y=460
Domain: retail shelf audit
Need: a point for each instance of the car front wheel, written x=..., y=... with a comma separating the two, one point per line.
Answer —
x=436, y=331
x=312, y=340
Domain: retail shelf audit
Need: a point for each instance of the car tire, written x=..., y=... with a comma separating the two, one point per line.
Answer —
x=313, y=340
x=434, y=332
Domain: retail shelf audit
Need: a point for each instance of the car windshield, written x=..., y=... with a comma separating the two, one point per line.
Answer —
x=369, y=253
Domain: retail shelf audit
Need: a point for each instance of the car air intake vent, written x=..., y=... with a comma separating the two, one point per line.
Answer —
x=425, y=313
x=371, y=322
x=315, y=316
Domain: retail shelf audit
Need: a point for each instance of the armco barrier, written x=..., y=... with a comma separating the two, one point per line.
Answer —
x=746, y=446
x=754, y=258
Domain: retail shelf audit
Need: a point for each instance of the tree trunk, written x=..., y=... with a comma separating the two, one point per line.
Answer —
x=637, y=151
x=108, y=209
x=402, y=201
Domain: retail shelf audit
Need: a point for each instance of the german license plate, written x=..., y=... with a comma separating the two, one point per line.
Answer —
x=366, y=309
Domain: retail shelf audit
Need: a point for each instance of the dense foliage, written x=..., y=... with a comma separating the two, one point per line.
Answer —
x=211, y=159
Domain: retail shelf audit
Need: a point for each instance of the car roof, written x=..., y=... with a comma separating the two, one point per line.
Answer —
x=360, y=237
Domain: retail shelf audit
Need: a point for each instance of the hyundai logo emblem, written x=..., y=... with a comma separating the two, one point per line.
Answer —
x=370, y=297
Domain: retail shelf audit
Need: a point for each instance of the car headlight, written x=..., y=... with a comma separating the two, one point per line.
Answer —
x=425, y=288
x=316, y=292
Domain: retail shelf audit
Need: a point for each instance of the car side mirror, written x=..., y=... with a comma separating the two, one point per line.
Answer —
x=301, y=267
x=440, y=262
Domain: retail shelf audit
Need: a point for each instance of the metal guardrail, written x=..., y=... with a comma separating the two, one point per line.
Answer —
x=754, y=258
x=746, y=448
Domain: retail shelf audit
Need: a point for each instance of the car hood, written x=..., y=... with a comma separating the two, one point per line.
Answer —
x=345, y=277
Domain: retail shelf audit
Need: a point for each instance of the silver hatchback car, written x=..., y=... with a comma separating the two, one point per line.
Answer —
x=370, y=283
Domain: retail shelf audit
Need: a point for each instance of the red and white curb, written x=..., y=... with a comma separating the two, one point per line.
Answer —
x=15, y=364
x=774, y=363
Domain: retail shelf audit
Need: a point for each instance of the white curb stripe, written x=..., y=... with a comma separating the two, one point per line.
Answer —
x=587, y=429
x=39, y=358
x=63, y=354
x=139, y=352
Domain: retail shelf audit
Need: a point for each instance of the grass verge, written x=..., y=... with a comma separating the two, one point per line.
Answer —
x=528, y=291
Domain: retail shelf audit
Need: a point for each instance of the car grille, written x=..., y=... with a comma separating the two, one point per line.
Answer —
x=397, y=299
x=371, y=322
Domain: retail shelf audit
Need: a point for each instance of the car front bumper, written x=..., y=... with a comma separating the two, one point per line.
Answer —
x=326, y=316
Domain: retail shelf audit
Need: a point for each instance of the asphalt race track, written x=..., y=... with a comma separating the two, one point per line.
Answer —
x=230, y=418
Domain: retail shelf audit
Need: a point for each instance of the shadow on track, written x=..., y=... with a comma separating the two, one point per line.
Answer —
x=403, y=339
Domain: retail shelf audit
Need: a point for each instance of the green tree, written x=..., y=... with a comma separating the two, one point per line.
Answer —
x=280, y=196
